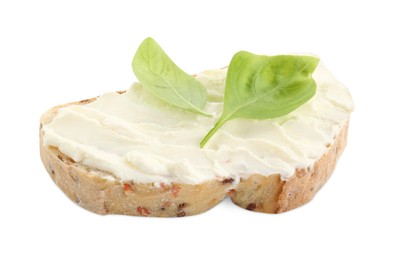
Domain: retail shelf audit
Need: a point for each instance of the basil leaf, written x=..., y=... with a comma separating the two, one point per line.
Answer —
x=163, y=78
x=263, y=87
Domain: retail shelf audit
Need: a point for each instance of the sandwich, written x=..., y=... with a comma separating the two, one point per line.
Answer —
x=266, y=131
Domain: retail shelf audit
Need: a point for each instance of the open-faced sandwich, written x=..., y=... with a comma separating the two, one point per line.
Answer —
x=266, y=131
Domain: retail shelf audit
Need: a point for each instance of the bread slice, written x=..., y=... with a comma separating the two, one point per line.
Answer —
x=103, y=193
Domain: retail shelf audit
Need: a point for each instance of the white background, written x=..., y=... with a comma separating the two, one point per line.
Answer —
x=54, y=52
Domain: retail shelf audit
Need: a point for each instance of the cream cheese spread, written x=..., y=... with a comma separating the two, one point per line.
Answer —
x=135, y=136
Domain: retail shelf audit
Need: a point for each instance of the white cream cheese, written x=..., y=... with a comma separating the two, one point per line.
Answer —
x=135, y=136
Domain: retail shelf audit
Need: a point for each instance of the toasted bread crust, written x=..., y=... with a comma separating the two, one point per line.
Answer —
x=103, y=193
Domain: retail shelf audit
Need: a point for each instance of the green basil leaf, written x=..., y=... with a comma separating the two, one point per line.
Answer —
x=263, y=87
x=163, y=78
